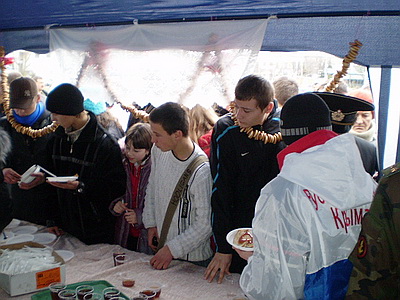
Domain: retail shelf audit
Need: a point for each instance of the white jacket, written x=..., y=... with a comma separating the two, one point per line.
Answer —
x=307, y=222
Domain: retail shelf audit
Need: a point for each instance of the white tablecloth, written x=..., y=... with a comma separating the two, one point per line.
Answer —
x=180, y=281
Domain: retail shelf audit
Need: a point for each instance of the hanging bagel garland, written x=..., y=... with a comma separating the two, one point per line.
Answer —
x=258, y=135
x=96, y=56
x=347, y=60
x=137, y=114
x=27, y=130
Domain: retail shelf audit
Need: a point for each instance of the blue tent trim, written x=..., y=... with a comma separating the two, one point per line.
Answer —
x=383, y=111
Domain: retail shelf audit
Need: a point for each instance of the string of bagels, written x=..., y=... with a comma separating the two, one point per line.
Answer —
x=347, y=60
x=141, y=114
x=95, y=56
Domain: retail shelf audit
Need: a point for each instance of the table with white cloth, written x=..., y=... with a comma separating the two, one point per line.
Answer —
x=182, y=280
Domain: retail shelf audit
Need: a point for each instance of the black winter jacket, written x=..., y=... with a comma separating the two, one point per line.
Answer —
x=240, y=167
x=96, y=158
x=36, y=204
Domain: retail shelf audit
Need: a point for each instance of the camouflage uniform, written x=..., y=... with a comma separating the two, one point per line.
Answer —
x=376, y=257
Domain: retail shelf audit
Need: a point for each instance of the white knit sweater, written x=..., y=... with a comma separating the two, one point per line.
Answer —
x=188, y=237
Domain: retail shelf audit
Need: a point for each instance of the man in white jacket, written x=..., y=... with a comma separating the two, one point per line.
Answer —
x=307, y=220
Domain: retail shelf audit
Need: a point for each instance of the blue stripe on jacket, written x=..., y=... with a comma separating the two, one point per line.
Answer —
x=217, y=139
x=330, y=282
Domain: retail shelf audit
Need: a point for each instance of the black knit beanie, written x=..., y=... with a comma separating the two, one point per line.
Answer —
x=303, y=114
x=66, y=99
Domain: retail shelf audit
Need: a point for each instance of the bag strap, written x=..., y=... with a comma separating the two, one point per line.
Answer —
x=176, y=197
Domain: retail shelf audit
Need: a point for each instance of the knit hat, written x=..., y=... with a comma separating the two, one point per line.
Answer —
x=22, y=92
x=343, y=109
x=303, y=114
x=96, y=108
x=66, y=99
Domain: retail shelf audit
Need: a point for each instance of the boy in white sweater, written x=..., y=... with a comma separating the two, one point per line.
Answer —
x=188, y=237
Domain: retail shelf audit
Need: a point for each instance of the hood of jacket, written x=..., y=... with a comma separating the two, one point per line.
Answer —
x=333, y=170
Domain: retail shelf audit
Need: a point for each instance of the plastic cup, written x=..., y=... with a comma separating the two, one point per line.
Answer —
x=128, y=282
x=82, y=290
x=150, y=294
x=67, y=294
x=116, y=254
x=119, y=259
x=55, y=288
x=230, y=279
x=110, y=292
x=93, y=296
x=155, y=287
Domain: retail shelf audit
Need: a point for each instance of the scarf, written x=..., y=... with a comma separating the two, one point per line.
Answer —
x=32, y=118
x=369, y=135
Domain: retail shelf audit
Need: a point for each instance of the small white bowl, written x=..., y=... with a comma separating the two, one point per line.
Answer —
x=231, y=235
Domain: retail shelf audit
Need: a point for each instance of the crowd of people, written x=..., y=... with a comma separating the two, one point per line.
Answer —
x=299, y=169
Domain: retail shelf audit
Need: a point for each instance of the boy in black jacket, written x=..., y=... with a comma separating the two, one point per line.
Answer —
x=241, y=166
x=82, y=148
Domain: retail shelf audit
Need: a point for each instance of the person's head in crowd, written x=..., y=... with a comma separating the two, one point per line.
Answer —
x=343, y=110
x=364, y=123
x=95, y=107
x=23, y=96
x=40, y=83
x=202, y=120
x=170, y=124
x=12, y=76
x=105, y=118
x=341, y=88
x=303, y=114
x=253, y=100
x=65, y=102
x=138, y=142
x=284, y=89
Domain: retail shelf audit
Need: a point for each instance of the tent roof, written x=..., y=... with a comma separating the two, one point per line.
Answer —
x=27, y=14
x=323, y=25
x=297, y=25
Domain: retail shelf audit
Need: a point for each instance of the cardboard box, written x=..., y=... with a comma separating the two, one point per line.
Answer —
x=32, y=281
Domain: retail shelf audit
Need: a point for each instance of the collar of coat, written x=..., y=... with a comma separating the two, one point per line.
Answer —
x=315, y=138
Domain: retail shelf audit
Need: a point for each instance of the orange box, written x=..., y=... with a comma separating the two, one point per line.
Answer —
x=32, y=281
